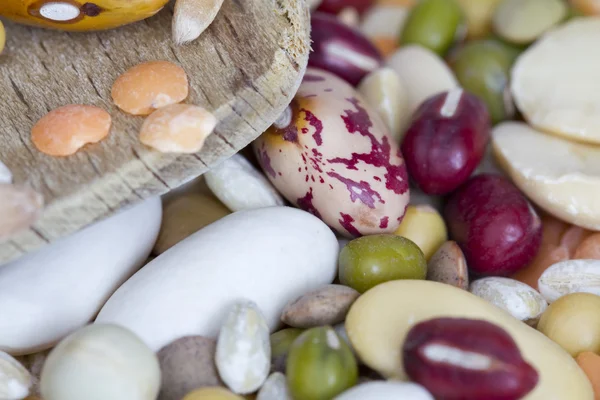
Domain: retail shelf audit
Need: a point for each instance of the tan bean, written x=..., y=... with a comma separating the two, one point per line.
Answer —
x=325, y=306
x=185, y=215
x=573, y=321
x=187, y=364
x=448, y=265
x=425, y=226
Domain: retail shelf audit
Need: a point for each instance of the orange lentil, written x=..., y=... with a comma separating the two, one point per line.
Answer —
x=402, y=3
x=178, y=128
x=572, y=237
x=587, y=7
x=589, y=249
x=546, y=256
x=590, y=364
x=553, y=230
x=65, y=130
x=386, y=45
x=150, y=86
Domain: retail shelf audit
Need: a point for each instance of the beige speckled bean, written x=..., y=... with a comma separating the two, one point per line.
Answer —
x=514, y=297
x=186, y=364
x=325, y=306
x=448, y=265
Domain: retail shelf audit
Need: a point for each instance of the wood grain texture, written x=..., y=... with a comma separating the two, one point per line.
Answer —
x=245, y=68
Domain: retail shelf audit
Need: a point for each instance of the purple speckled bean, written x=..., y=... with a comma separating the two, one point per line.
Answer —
x=336, y=159
x=341, y=50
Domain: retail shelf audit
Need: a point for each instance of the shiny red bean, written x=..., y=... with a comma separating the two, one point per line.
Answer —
x=341, y=50
x=446, y=141
x=335, y=6
x=494, y=224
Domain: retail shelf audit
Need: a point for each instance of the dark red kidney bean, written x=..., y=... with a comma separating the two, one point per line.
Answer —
x=494, y=224
x=446, y=141
x=335, y=6
x=341, y=50
x=506, y=375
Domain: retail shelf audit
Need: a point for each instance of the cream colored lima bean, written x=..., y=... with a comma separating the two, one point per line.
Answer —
x=270, y=256
x=561, y=176
x=554, y=82
x=48, y=294
x=100, y=362
x=571, y=276
x=377, y=332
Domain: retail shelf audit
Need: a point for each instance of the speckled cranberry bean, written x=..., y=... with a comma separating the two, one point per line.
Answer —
x=341, y=50
x=494, y=224
x=336, y=159
x=446, y=141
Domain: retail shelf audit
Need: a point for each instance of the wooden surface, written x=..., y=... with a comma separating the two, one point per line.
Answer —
x=245, y=68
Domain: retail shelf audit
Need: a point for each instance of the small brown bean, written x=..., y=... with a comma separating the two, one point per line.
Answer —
x=325, y=306
x=187, y=364
x=448, y=265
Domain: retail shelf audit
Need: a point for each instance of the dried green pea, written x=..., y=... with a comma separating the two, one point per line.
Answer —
x=320, y=365
x=483, y=68
x=281, y=341
x=371, y=260
x=434, y=24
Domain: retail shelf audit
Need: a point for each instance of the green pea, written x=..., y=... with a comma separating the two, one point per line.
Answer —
x=370, y=260
x=281, y=341
x=320, y=365
x=434, y=24
x=483, y=68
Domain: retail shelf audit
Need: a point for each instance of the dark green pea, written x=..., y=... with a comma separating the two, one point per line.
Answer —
x=483, y=68
x=434, y=24
x=281, y=341
x=320, y=365
x=370, y=260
